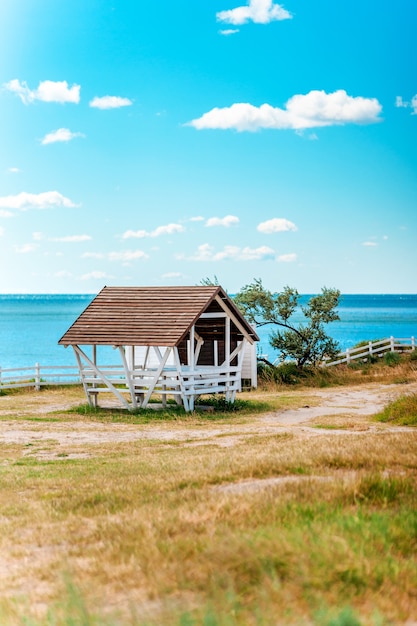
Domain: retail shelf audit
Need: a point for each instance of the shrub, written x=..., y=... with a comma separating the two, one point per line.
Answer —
x=402, y=411
x=392, y=358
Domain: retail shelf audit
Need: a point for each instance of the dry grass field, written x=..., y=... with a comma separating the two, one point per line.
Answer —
x=298, y=508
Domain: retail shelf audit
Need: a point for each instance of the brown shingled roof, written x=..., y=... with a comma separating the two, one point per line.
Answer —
x=146, y=316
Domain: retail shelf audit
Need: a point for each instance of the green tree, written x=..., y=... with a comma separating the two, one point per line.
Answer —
x=305, y=343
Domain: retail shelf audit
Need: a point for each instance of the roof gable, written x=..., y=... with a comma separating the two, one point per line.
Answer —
x=147, y=316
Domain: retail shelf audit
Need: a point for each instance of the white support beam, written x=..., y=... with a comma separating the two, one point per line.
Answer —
x=128, y=374
x=99, y=375
x=156, y=376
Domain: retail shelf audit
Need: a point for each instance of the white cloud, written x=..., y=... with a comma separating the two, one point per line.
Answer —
x=369, y=244
x=128, y=255
x=46, y=200
x=37, y=236
x=287, y=258
x=258, y=11
x=229, y=31
x=26, y=248
x=276, y=225
x=14, y=170
x=110, y=102
x=256, y=254
x=226, y=221
x=168, y=229
x=399, y=102
x=4, y=213
x=95, y=275
x=173, y=275
x=63, y=274
x=206, y=252
x=47, y=91
x=313, y=110
x=62, y=134
x=72, y=238
x=92, y=255
x=197, y=218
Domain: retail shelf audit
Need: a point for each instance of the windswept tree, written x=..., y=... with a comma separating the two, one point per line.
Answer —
x=306, y=342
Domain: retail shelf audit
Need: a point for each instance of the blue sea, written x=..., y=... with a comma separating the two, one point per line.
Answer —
x=31, y=325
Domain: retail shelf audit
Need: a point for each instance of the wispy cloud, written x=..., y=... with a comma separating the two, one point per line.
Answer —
x=229, y=31
x=110, y=102
x=93, y=255
x=168, y=229
x=14, y=170
x=276, y=225
x=128, y=255
x=228, y=220
x=26, y=248
x=24, y=201
x=47, y=91
x=369, y=244
x=173, y=275
x=71, y=238
x=206, y=252
x=313, y=110
x=258, y=11
x=95, y=275
x=400, y=103
x=4, y=213
x=62, y=134
x=124, y=256
x=287, y=258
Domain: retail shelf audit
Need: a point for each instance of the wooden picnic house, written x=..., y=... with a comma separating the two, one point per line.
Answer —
x=172, y=341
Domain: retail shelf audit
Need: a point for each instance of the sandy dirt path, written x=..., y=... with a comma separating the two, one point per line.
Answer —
x=335, y=411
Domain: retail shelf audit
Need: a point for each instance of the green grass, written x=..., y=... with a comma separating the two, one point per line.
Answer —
x=152, y=532
x=220, y=410
x=402, y=412
x=141, y=516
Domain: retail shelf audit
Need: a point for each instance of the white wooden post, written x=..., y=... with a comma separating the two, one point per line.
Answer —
x=227, y=356
x=129, y=377
x=191, y=363
x=413, y=347
x=347, y=355
x=370, y=347
x=392, y=344
x=37, y=377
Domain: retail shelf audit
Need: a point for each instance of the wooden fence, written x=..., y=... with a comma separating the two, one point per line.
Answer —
x=38, y=376
x=373, y=349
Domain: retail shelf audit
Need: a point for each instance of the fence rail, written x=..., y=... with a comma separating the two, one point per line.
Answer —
x=374, y=348
x=38, y=376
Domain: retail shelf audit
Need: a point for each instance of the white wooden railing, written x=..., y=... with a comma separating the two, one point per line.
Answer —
x=38, y=376
x=373, y=348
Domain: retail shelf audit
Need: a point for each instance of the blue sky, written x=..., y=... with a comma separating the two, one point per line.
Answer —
x=158, y=143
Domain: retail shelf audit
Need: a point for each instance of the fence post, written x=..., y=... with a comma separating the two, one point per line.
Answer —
x=370, y=348
x=37, y=377
x=392, y=348
x=347, y=355
x=413, y=347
